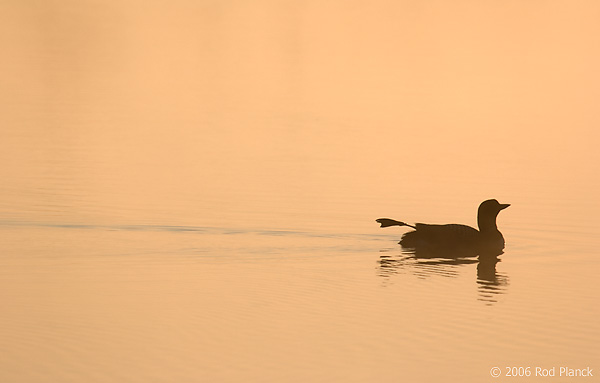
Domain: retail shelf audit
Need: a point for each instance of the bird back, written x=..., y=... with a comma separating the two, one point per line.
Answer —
x=440, y=236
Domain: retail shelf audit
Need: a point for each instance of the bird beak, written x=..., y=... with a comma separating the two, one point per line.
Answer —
x=504, y=206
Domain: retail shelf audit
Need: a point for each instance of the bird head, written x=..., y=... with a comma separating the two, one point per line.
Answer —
x=491, y=207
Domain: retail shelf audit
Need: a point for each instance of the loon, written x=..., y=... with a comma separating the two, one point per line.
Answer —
x=454, y=240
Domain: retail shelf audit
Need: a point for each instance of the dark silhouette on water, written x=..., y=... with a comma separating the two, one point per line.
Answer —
x=490, y=283
x=453, y=240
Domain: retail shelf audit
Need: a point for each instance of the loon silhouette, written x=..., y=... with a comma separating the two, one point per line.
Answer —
x=455, y=240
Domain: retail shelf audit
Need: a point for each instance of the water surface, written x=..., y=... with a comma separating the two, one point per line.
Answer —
x=189, y=190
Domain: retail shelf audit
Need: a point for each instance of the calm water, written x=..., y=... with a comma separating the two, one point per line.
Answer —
x=190, y=188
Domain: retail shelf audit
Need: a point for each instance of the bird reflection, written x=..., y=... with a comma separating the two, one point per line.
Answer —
x=490, y=283
x=442, y=249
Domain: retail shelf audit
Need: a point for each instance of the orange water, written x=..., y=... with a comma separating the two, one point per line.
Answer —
x=189, y=189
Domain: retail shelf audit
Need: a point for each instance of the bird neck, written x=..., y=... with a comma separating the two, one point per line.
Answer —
x=487, y=224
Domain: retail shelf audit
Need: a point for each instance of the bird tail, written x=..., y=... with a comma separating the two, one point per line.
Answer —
x=386, y=222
